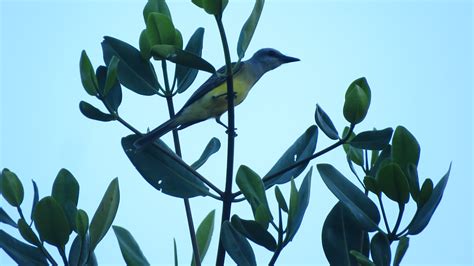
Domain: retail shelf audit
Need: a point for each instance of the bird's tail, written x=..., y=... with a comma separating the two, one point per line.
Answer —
x=157, y=133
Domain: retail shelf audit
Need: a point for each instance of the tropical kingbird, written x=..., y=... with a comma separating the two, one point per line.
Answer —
x=210, y=99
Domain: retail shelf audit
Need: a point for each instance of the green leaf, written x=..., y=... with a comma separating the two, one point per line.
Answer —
x=160, y=29
x=281, y=200
x=212, y=147
x=424, y=214
x=178, y=56
x=134, y=72
x=249, y=27
x=175, y=253
x=79, y=252
x=401, y=250
x=5, y=218
x=374, y=156
x=412, y=177
x=299, y=201
x=255, y=232
x=178, y=39
x=373, y=139
x=12, y=189
x=88, y=78
x=301, y=149
x=185, y=76
x=65, y=188
x=362, y=260
x=425, y=192
x=251, y=186
x=405, y=148
x=383, y=158
x=393, y=183
x=35, y=198
x=357, y=101
x=51, y=222
x=159, y=166
x=113, y=99
x=111, y=75
x=82, y=223
x=380, y=250
x=212, y=7
x=21, y=253
x=93, y=113
x=105, y=214
x=144, y=45
x=342, y=233
x=204, y=235
x=370, y=184
x=362, y=207
x=27, y=233
x=156, y=6
x=325, y=124
x=131, y=252
x=236, y=245
x=356, y=155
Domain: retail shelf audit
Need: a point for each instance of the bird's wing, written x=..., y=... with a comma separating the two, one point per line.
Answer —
x=212, y=82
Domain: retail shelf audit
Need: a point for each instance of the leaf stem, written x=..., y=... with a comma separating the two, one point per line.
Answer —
x=280, y=244
x=383, y=214
x=227, y=197
x=393, y=235
x=63, y=255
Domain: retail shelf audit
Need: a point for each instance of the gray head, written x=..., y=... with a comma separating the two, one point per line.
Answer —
x=269, y=59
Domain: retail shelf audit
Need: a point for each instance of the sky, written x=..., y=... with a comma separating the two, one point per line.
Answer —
x=416, y=55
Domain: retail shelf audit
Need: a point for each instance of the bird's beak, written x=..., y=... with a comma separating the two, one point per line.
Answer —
x=289, y=59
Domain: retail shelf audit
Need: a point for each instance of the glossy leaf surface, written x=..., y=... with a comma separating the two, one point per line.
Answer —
x=248, y=29
x=212, y=147
x=131, y=252
x=393, y=183
x=373, y=139
x=88, y=78
x=405, y=148
x=325, y=124
x=299, y=201
x=204, y=235
x=255, y=232
x=93, y=113
x=21, y=253
x=12, y=189
x=51, y=222
x=380, y=250
x=357, y=101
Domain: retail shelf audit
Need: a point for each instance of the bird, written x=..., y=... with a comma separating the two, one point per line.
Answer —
x=210, y=99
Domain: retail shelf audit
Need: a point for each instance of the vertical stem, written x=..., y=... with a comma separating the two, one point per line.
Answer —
x=177, y=147
x=227, y=196
x=401, y=208
x=63, y=255
x=280, y=240
x=383, y=213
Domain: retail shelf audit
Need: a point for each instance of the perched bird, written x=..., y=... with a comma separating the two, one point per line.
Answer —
x=210, y=99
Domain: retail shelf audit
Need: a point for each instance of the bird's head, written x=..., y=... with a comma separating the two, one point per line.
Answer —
x=269, y=58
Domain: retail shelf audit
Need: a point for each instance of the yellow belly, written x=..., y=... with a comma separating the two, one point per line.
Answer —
x=214, y=103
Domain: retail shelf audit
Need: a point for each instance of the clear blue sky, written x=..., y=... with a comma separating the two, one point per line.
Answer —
x=416, y=55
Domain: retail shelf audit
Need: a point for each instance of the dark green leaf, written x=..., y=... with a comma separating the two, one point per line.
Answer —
x=342, y=233
x=355, y=155
x=301, y=149
x=65, y=188
x=113, y=99
x=51, y=222
x=405, y=148
x=134, y=72
x=393, y=183
x=21, y=253
x=362, y=207
x=281, y=200
x=5, y=218
x=159, y=167
x=370, y=184
x=27, y=233
x=255, y=232
x=79, y=252
x=325, y=124
x=236, y=245
x=380, y=250
x=212, y=7
x=298, y=204
x=178, y=56
x=185, y=76
x=383, y=159
x=88, y=78
x=160, y=29
x=175, y=253
x=412, y=177
x=144, y=45
x=362, y=260
x=82, y=223
x=423, y=215
x=373, y=139
x=12, y=189
x=178, y=39
x=93, y=113
x=105, y=214
x=251, y=186
x=35, y=198
x=425, y=192
x=111, y=75
x=401, y=250
x=357, y=101
x=374, y=156
x=131, y=252
x=158, y=6
x=248, y=29
x=212, y=147
x=204, y=235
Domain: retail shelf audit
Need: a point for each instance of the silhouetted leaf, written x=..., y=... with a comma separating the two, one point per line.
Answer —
x=373, y=139
x=301, y=149
x=21, y=253
x=204, y=235
x=362, y=207
x=178, y=56
x=93, y=113
x=5, y=218
x=113, y=99
x=383, y=158
x=405, y=148
x=82, y=223
x=425, y=192
x=131, y=252
x=247, y=31
x=27, y=233
x=175, y=253
x=281, y=200
x=159, y=167
x=212, y=7
x=105, y=214
x=401, y=250
x=362, y=260
x=65, y=188
x=12, y=189
x=412, y=177
x=88, y=78
x=357, y=101
x=255, y=232
x=393, y=183
x=158, y=6
x=380, y=250
x=212, y=147
x=325, y=124
x=51, y=222
x=79, y=252
x=299, y=201
x=160, y=29
x=35, y=198
x=342, y=233
x=185, y=76
x=236, y=245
